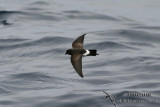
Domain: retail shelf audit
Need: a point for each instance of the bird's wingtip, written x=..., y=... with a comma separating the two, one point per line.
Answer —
x=82, y=76
x=84, y=34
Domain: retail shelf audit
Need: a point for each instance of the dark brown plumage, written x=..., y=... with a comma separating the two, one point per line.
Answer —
x=78, y=43
x=76, y=59
x=77, y=52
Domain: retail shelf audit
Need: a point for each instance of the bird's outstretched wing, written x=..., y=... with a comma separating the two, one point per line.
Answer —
x=78, y=43
x=76, y=61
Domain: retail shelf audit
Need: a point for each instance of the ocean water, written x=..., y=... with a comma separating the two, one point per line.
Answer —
x=35, y=72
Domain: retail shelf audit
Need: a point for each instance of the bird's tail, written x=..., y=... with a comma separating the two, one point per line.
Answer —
x=93, y=52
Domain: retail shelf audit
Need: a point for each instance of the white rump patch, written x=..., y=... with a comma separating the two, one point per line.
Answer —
x=86, y=53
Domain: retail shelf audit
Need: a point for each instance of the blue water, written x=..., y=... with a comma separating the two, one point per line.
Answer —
x=35, y=72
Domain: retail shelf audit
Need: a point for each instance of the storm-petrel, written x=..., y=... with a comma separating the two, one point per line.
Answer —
x=77, y=52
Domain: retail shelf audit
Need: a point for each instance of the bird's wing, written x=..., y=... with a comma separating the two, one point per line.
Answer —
x=76, y=61
x=78, y=43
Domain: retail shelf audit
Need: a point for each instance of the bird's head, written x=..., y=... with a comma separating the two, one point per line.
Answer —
x=68, y=52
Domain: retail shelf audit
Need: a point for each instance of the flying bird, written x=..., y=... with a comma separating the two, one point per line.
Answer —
x=77, y=52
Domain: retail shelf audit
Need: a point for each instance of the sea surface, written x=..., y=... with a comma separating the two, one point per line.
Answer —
x=35, y=72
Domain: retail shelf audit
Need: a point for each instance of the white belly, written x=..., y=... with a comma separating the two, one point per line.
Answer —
x=86, y=53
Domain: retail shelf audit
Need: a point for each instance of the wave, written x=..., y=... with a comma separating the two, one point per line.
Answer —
x=4, y=12
x=32, y=76
x=7, y=102
x=132, y=35
x=11, y=40
x=3, y=90
x=40, y=3
x=46, y=41
x=148, y=27
x=140, y=44
x=4, y=15
x=40, y=53
x=28, y=15
x=139, y=35
x=5, y=22
x=75, y=14
x=108, y=45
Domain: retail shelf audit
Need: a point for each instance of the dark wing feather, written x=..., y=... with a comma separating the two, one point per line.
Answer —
x=76, y=61
x=78, y=43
